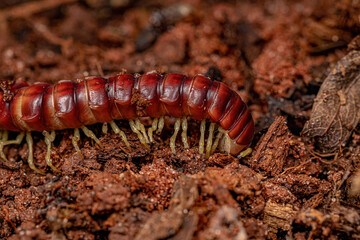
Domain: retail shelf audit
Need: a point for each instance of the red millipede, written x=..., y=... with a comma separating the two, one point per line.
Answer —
x=43, y=107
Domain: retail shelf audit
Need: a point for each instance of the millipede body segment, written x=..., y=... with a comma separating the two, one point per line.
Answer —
x=74, y=105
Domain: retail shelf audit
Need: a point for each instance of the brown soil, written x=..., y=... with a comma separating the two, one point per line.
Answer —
x=274, y=53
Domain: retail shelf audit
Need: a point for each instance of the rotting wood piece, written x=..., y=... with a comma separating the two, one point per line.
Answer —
x=273, y=148
x=279, y=215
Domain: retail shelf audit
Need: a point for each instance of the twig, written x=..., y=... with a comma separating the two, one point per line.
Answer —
x=6, y=216
x=331, y=161
x=99, y=68
x=51, y=37
x=314, y=153
x=298, y=166
x=27, y=9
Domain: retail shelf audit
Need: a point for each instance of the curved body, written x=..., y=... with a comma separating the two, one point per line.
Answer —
x=70, y=104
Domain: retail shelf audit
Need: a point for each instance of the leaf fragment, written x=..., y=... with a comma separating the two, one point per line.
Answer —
x=336, y=109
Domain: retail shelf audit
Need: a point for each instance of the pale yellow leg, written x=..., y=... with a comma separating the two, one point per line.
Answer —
x=210, y=140
x=173, y=137
x=184, y=125
x=161, y=125
x=202, y=136
x=30, y=144
x=75, y=139
x=104, y=128
x=91, y=135
x=152, y=129
x=217, y=139
x=142, y=129
x=140, y=136
x=117, y=130
x=227, y=143
x=4, y=138
x=4, y=141
x=49, y=138
x=245, y=153
x=4, y=135
x=18, y=139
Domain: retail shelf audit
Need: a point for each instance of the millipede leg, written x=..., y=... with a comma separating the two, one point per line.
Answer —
x=210, y=140
x=161, y=125
x=184, y=125
x=4, y=141
x=117, y=130
x=245, y=153
x=173, y=137
x=18, y=139
x=4, y=135
x=142, y=129
x=202, y=136
x=91, y=135
x=49, y=138
x=227, y=147
x=30, y=143
x=104, y=128
x=217, y=139
x=1, y=141
x=152, y=129
x=140, y=136
x=75, y=139
x=4, y=138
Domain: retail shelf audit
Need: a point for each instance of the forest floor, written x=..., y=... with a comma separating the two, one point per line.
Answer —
x=275, y=54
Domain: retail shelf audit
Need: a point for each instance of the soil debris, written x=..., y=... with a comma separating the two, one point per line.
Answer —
x=275, y=54
x=168, y=223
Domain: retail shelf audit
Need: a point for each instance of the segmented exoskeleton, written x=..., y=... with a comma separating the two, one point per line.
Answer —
x=74, y=105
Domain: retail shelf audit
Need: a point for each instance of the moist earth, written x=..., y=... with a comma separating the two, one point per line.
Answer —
x=275, y=54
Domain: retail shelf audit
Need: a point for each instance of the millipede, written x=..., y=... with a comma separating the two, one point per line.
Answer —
x=46, y=108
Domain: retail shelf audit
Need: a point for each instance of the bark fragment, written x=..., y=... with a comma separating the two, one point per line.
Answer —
x=273, y=148
x=278, y=215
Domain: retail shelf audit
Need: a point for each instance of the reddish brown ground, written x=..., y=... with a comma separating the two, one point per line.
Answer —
x=274, y=53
